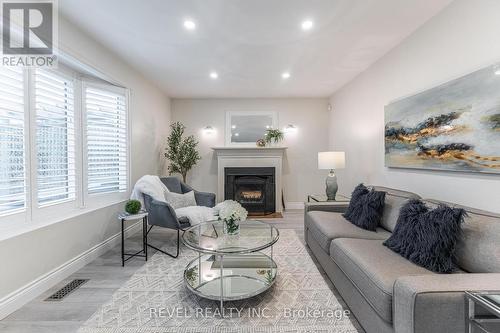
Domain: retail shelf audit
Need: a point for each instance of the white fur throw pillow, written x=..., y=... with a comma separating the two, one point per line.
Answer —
x=177, y=200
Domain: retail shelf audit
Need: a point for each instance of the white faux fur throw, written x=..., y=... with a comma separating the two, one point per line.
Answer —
x=196, y=214
x=200, y=214
x=150, y=185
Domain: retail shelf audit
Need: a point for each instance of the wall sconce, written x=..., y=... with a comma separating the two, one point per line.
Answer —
x=290, y=128
x=208, y=130
x=496, y=69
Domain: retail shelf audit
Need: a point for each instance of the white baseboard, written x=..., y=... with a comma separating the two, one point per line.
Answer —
x=294, y=205
x=35, y=288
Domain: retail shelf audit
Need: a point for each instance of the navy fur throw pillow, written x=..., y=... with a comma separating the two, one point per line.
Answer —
x=359, y=191
x=365, y=208
x=427, y=237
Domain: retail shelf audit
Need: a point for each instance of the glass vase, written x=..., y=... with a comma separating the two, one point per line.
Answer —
x=231, y=227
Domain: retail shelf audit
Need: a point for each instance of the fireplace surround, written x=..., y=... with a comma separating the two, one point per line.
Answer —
x=252, y=187
x=257, y=157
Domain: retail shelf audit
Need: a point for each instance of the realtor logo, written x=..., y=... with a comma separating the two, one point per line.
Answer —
x=29, y=32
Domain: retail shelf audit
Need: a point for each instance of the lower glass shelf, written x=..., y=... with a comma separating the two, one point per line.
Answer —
x=243, y=276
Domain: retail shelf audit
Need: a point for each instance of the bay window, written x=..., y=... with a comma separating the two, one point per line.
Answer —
x=63, y=141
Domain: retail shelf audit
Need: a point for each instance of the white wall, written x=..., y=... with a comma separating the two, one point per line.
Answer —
x=29, y=256
x=462, y=38
x=301, y=175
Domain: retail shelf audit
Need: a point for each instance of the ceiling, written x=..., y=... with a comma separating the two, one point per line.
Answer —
x=250, y=43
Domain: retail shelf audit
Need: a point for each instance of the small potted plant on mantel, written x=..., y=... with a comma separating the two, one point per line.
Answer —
x=273, y=137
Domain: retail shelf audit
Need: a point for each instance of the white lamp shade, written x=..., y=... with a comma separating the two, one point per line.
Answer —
x=331, y=160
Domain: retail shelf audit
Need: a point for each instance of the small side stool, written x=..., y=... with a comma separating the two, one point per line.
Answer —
x=127, y=217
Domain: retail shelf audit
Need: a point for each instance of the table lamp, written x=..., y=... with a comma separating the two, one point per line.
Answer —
x=330, y=160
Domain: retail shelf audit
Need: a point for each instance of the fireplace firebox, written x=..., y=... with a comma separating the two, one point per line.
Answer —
x=252, y=187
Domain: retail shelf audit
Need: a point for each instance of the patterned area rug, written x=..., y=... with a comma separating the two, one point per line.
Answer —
x=155, y=299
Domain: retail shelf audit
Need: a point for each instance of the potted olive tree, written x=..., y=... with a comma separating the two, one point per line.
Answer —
x=181, y=151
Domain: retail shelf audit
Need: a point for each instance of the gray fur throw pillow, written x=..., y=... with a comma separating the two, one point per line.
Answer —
x=177, y=200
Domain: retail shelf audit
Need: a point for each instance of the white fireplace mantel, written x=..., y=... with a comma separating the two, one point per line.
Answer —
x=228, y=157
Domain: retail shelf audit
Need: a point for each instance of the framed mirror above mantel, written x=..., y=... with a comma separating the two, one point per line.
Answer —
x=244, y=128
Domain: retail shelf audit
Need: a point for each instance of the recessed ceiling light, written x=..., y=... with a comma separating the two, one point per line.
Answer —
x=285, y=75
x=307, y=25
x=497, y=72
x=214, y=75
x=189, y=25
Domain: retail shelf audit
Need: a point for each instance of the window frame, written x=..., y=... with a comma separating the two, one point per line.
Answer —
x=52, y=210
x=108, y=198
x=22, y=216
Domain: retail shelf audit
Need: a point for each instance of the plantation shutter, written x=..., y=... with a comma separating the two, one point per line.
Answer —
x=12, y=141
x=106, y=134
x=55, y=137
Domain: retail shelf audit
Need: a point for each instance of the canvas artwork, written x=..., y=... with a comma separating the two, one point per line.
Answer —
x=454, y=126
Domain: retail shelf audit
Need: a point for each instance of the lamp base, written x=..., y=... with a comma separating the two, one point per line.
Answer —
x=331, y=186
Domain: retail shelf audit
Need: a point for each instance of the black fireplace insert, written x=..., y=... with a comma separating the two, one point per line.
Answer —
x=252, y=187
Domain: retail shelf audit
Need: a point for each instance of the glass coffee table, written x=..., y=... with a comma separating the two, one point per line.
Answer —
x=230, y=267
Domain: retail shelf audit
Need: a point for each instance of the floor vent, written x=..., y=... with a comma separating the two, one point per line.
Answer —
x=66, y=290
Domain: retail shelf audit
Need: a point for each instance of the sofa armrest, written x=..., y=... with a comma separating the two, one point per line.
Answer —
x=330, y=206
x=436, y=303
x=204, y=198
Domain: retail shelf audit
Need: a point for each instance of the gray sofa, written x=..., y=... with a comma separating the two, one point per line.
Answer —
x=388, y=293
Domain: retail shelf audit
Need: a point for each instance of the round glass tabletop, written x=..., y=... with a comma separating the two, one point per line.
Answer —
x=209, y=237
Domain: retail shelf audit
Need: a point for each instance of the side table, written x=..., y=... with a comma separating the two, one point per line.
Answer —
x=323, y=198
x=127, y=217
x=488, y=322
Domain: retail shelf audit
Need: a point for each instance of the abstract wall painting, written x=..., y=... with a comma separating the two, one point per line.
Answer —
x=454, y=126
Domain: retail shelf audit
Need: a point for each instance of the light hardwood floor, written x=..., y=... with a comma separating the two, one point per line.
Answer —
x=106, y=275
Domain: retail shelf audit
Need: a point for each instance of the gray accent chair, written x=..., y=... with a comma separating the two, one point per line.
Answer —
x=388, y=293
x=161, y=214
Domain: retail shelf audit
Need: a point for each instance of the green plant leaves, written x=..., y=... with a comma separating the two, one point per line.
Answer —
x=181, y=151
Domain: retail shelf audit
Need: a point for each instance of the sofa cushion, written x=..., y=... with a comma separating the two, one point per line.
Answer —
x=477, y=250
x=326, y=226
x=394, y=200
x=373, y=269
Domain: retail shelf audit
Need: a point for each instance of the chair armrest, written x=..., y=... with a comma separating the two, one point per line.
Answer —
x=330, y=206
x=163, y=215
x=436, y=303
x=204, y=198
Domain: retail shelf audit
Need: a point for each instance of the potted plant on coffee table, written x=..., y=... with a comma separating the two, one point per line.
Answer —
x=231, y=214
